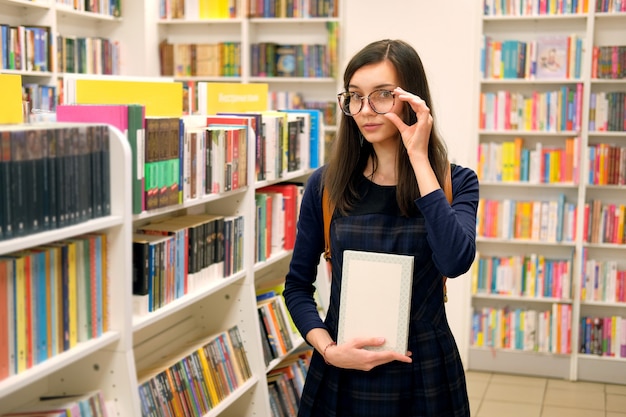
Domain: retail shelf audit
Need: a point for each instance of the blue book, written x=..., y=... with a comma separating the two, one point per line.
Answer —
x=316, y=142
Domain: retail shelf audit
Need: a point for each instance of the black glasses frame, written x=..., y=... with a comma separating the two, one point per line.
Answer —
x=356, y=96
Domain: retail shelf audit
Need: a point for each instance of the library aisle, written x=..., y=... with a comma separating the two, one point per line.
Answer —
x=498, y=395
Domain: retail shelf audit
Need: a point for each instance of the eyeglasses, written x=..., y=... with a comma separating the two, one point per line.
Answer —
x=380, y=101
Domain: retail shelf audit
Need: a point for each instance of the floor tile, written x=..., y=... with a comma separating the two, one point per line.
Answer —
x=579, y=386
x=515, y=393
x=500, y=409
x=474, y=405
x=477, y=389
x=477, y=376
x=615, y=389
x=552, y=411
x=591, y=400
x=518, y=380
x=616, y=403
x=612, y=414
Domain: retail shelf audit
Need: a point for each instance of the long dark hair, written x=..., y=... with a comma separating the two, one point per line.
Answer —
x=349, y=158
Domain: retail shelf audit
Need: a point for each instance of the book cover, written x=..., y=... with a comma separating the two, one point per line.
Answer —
x=375, y=298
x=160, y=98
x=11, y=103
x=552, y=57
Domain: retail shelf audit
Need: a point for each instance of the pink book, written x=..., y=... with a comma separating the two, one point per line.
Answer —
x=114, y=114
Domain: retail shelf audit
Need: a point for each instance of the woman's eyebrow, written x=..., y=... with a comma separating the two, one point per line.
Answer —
x=376, y=87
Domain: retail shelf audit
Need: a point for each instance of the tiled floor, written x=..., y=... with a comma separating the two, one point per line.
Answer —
x=499, y=395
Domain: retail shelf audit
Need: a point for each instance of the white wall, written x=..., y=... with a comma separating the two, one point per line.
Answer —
x=445, y=34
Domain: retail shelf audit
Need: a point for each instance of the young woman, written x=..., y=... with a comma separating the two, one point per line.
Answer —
x=385, y=179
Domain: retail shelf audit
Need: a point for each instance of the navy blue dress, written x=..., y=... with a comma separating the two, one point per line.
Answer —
x=442, y=240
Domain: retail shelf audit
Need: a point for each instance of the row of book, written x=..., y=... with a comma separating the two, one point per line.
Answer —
x=544, y=111
x=271, y=59
x=607, y=111
x=275, y=100
x=278, y=333
x=293, y=8
x=607, y=164
x=537, y=220
x=25, y=48
x=88, y=55
x=195, y=382
x=52, y=176
x=524, y=329
x=206, y=154
x=222, y=59
x=535, y=7
x=608, y=62
x=90, y=404
x=40, y=98
x=198, y=9
x=610, y=6
x=105, y=7
x=531, y=275
x=178, y=255
x=277, y=208
x=604, y=222
x=285, y=383
x=510, y=161
x=602, y=281
x=603, y=336
x=52, y=297
x=549, y=57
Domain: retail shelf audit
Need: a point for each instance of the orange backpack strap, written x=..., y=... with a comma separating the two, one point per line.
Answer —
x=328, y=209
x=447, y=189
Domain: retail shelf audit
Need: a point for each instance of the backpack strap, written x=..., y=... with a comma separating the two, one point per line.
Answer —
x=328, y=208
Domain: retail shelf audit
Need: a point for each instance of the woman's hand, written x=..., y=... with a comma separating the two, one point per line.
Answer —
x=416, y=136
x=352, y=355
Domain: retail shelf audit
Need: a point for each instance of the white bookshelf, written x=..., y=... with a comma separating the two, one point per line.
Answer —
x=105, y=362
x=595, y=29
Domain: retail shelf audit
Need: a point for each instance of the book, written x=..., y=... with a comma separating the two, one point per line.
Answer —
x=376, y=298
x=552, y=57
x=11, y=103
x=159, y=97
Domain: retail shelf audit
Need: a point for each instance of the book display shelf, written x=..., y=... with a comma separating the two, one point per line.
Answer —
x=101, y=355
x=46, y=39
x=548, y=281
x=209, y=330
x=294, y=49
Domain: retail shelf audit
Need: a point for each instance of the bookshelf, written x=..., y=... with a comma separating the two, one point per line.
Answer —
x=534, y=226
x=242, y=32
x=104, y=362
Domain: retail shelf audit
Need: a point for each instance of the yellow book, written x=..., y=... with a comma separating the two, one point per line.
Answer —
x=508, y=149
x=619, y=238
x=475, y=265
x=20, y=313
x=72, y=291
x=209, y=377
x=160, y=98
x=11, y=110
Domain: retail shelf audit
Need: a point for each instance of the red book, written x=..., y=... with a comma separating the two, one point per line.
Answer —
x=290, y=196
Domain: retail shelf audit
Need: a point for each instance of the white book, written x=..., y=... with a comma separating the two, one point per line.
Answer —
x=376, y=298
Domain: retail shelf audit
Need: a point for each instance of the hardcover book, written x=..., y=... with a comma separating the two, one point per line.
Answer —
x=376, y=298
x=552, y=57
